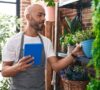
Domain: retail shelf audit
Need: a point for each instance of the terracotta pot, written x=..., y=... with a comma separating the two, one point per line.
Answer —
x=50, y=13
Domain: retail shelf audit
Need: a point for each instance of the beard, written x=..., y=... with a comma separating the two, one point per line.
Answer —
x=39, y=26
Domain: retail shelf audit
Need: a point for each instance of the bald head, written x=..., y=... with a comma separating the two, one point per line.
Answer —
x=35, y=16
x=32, y=8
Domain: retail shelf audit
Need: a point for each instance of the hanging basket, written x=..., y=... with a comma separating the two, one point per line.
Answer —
x=74, y=85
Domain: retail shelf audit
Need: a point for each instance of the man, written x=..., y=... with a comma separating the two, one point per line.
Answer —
x=15, y=65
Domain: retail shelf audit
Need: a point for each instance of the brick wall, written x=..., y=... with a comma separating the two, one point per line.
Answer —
x=23, y=5
x=86, y=15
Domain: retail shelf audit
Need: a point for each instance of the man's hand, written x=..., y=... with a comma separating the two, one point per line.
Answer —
x=24, y=63
x=81, y=59
x=9, y=69
x=78, y=50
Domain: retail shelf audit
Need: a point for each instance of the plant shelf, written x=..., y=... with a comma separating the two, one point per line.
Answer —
x=75, y=3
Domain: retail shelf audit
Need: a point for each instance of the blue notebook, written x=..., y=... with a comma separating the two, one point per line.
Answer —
x=35, y=50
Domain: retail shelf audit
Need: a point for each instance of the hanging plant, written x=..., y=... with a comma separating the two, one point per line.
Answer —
x=95, y=82
x=50, y=2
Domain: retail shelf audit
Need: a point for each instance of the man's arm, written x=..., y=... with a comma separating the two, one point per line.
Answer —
x=9, y=69
x=60, y=64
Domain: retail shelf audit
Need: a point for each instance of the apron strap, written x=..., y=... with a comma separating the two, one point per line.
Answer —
x=43, y=52
x=21, y=47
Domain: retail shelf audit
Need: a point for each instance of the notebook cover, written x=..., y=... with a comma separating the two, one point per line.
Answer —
x=35, y=50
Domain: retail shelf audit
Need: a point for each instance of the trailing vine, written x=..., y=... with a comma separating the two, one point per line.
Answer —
x=94, y=84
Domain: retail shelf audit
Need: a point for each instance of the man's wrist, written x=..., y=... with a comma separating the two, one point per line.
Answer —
x=73, y=55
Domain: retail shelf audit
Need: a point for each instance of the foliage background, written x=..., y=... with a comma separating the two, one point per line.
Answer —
x=8, y=26
x=94, y=84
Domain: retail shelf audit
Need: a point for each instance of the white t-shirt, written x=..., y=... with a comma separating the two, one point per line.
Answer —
x=11, y=49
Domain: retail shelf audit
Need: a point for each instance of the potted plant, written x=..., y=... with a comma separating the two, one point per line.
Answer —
x=68, y=36
x=86, y=38
x=69, y=42
x=72, y=26
x=77, y=74
x=50, y=10
x=50, y=2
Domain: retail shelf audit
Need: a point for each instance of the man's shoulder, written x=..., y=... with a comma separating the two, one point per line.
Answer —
x=15, y=37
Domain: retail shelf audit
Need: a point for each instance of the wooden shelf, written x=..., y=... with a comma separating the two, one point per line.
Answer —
x=75, y=3
x=61, y=54
x=62, y=4
x=81, y=58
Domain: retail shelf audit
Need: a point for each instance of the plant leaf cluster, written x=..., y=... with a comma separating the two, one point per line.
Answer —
x=94, y=84
x=8, y=26
x=78, y=37
x=50, y=2
x=4, y=84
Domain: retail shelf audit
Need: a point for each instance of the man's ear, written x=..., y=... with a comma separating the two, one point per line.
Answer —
x=28, y=17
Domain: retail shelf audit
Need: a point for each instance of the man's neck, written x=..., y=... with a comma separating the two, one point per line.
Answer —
x=31, y=32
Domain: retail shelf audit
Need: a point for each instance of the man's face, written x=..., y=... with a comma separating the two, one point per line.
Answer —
x=37, y=19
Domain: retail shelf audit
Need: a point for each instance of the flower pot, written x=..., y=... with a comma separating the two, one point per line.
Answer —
x=70, y=48
x=87, y=47
x=50, y=13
